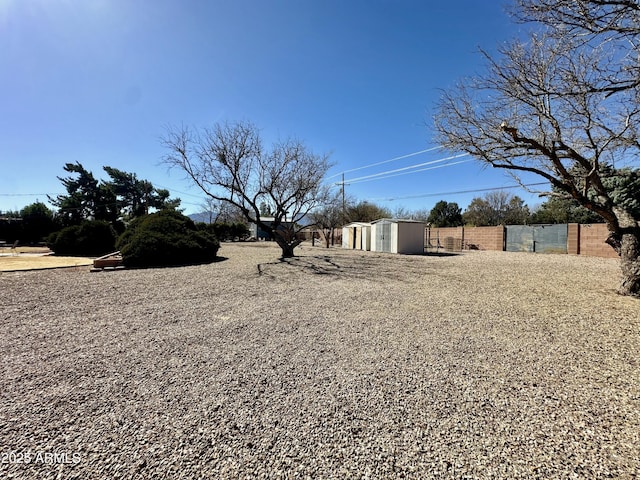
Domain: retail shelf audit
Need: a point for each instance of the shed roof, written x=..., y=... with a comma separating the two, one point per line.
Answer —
x=270, y=220
x=357, y=224
x=397, y=220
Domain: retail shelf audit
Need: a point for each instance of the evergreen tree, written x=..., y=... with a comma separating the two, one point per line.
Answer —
x=445, y=214
x=86, y=199
x=37, y=222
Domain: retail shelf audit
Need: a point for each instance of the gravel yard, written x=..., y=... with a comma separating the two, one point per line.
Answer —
x=335, y=364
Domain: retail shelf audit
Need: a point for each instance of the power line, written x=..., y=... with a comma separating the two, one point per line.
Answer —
x=386, y=161
x=413, y=171
x=192, y=204
x=172, y=190
x=27, y=194
x=390, y=173
x=391, y=199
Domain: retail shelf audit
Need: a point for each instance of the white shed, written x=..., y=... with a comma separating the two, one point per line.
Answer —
x=357, y=235
x=393, y=235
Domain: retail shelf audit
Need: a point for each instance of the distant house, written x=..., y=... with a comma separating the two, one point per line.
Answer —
x=357, y=235
x=259, y=233
x=393, y=235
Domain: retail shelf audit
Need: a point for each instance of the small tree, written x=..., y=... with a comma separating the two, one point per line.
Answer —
x=228, y=163
x=496, y=208
x=366, y=212
x=402, y=212
x=328, y=218
x=421, y=214
x=37, y=222
x=215, y=211
x=445, y=214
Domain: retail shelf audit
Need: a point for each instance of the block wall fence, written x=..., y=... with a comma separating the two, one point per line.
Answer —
x=582, y=239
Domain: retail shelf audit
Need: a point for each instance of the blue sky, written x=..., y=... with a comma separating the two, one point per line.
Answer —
x=97, y=81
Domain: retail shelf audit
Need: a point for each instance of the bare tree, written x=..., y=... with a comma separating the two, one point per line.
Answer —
x=402, y=212
x=364, y=211
x=618, y=18
x=228, y=163
x=329, y=217
x=552, y=107
x=593, y=23
x=421, y=214
x=496, y=208
x=219, y=211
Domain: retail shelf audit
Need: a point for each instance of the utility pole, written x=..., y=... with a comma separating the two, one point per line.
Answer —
x=343, y=202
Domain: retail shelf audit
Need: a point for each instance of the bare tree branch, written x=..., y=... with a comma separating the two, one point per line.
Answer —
x=552, y=107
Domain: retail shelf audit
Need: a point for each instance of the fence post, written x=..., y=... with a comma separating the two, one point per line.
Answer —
x=573, y=239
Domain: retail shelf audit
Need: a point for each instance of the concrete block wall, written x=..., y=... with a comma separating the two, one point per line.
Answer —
x=484, y=238
x=480, y=238
x=435, y=234
x=591, y=241
x=586, y=239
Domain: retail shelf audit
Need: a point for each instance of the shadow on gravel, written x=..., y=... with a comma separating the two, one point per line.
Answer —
x=346, y=267
x=218, y=259
x=316, y=264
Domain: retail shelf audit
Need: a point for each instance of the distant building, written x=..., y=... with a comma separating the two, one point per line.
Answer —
x=260, y=234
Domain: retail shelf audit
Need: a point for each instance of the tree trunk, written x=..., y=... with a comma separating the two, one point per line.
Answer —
x=287, y=247
x=630, y=263
x=624, y=237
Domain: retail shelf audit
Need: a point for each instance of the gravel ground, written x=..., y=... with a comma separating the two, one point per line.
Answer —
x=335, y=364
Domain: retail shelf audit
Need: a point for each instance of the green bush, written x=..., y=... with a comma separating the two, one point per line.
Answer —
x=166, y=238
x=89, y=239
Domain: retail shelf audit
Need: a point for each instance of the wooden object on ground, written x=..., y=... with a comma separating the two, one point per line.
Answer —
x=110, y=261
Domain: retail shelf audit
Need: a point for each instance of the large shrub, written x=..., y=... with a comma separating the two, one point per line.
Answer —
x=89, y=239
x=166, y=238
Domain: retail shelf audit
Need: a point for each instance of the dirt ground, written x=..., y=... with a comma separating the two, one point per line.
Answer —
x=30, y=258
x=334, y=364
x=7, y=250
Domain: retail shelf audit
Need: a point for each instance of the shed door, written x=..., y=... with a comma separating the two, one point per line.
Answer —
x=383, y=237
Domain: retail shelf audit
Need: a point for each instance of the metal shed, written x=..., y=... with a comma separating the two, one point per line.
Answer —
x=357, y=235
x=393, y=235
